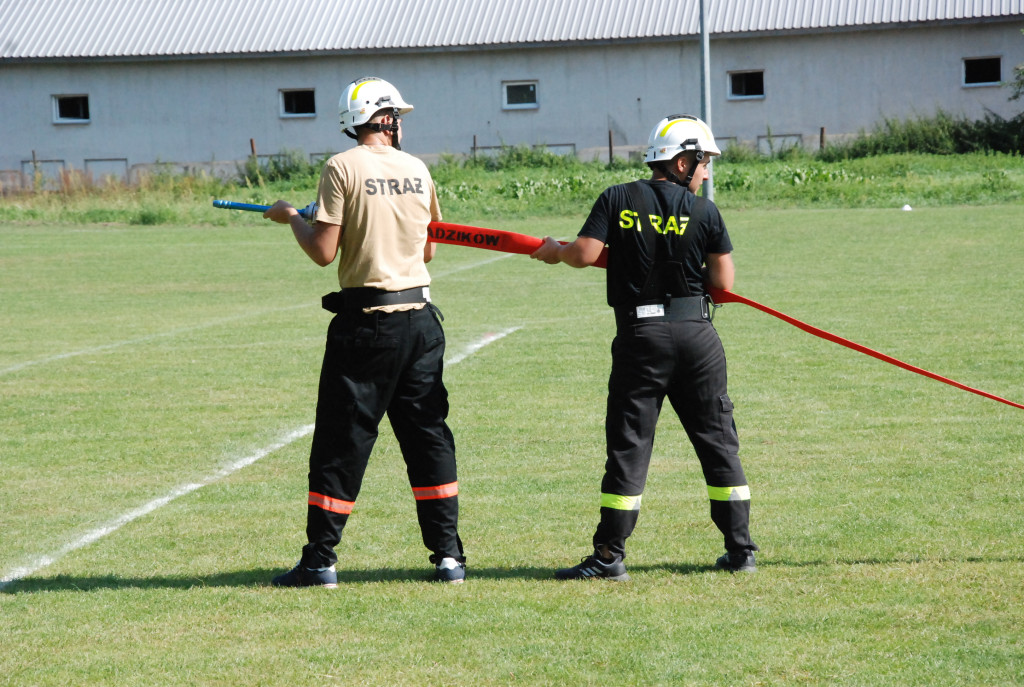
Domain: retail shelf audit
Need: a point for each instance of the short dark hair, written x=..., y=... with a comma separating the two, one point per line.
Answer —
x=381, y=111
x=662, y=165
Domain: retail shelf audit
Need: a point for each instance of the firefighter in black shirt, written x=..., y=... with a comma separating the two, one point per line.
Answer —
x=665, y=246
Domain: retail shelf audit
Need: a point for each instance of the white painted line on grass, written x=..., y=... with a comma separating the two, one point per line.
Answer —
x=142, y=339
x=182, y=490
x=473, y=265
x=214, y=323
x=179, y=491
x=480, y=343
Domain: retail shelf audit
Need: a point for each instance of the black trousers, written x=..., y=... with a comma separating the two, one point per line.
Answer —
x=375, y=364
x=685, y=362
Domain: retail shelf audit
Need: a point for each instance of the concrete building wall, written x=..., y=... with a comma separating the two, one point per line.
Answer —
x=849, y=81
x=202, y=111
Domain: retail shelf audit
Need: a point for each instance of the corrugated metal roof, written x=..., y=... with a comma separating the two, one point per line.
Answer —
x=768, y=15
x=64, y=29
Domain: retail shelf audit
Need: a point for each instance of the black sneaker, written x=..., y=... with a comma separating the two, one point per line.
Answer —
x=592, y=566
x=451, y=571
x=306, y=577
x=737, y=561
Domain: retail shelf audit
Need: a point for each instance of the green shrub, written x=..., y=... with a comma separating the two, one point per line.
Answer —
x=100, y=216
x=941, y=134
x=288, y=165
x=523, y=156
x=737, y=153
x=153, y=216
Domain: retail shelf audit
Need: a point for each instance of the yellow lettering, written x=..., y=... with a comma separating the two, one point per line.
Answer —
x=627, y=219
x=677, y=226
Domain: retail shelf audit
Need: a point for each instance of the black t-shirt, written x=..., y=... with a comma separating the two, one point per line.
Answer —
x=682, y=227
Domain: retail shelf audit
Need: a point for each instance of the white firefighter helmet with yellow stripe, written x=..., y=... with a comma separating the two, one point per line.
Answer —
x=678, y=133
x=363, y=98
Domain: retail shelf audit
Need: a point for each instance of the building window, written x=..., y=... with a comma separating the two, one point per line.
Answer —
x=299, y=102
x=746, y=85
x=520, y=95
x=983, y=71
x=70, y=109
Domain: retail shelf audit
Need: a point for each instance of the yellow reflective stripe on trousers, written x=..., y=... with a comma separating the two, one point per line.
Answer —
x=729, y=493
x=621, y=502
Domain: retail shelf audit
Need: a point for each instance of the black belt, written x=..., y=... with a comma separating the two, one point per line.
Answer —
x=363, y=297
x=672, y=310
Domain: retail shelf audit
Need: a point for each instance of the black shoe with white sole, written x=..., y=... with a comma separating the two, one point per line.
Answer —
x=450, y=571
x=592, y=567
x=307, y=577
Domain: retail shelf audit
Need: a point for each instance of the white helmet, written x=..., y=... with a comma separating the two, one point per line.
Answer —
x=363, y=98
x=678, y=133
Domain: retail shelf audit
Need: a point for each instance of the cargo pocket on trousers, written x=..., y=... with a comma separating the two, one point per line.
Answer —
x=730, y=438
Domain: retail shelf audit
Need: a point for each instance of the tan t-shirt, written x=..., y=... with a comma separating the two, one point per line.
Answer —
x=383, y=199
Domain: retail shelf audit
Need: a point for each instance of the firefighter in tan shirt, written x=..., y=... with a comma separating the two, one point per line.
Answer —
x=385, y=345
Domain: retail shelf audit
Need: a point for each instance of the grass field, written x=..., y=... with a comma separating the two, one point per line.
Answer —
x=157, y=386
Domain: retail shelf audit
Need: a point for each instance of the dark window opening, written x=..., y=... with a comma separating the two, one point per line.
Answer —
x=72, y=108
x=521, y=95
x=983, y=70
x=746, y=85
x=298, y=103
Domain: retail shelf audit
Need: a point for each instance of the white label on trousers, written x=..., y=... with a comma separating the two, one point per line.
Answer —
x=650, y=311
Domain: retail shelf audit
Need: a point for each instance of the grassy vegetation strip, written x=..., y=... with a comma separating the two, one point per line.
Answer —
x=475, y=193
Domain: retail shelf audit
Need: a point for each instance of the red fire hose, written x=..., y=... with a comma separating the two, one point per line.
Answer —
x=511, y=242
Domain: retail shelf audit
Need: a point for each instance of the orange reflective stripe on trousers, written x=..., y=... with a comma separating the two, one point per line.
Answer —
x=443, y=491
x=329, y=504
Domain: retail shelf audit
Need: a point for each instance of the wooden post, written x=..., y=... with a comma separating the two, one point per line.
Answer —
x=252, y=146
x=611, y=147
x=821, y=139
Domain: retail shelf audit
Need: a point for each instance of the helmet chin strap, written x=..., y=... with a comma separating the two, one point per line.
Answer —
x=693, y=170
x=394, y=132
x=378, y=127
